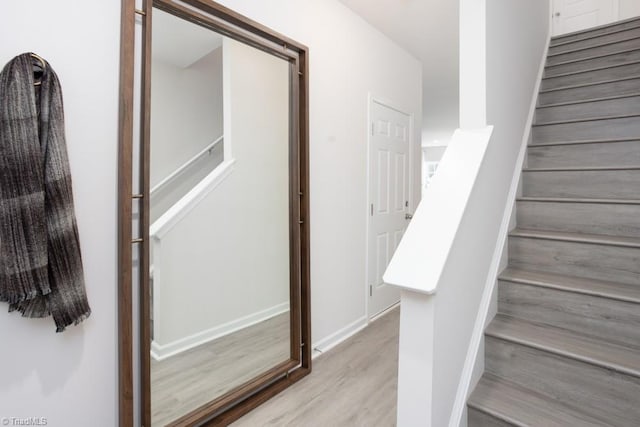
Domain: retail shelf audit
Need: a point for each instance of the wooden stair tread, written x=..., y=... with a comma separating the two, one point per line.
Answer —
x=584, y=141
x=587, y=119
x=582, y=169
x=591, y=37
x=595, y=46
x=579, y=200
x=588, y=101
x=589, y=58
x=590, y=70
x=587, y=286
x=596, y=83
x=567, y=344
x=599, y=239
x=611, y=25
x=521, y=407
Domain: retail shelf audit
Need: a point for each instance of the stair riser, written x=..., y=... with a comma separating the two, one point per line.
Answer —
x=623, y=153
x=587, y=260
x=590, y=218
x=591, y=76
x=608, y=38
x=605, y=61
x=593, y=389
x=476, y=418
x=595, y=51
x=596, y=32
x=598, y=184
x=612, y=320
x=619, y=88
x=609, y=108
x=622, y=128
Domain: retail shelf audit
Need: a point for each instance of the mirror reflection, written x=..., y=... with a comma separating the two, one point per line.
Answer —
x=220, y=230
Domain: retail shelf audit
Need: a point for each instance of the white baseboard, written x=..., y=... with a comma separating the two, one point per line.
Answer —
x=384, y=312
x=348, y=331
x=477, y=336
x=339, y=336
x=161, y=352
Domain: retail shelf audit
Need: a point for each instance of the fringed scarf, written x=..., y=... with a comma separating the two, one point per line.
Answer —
x=40, y=263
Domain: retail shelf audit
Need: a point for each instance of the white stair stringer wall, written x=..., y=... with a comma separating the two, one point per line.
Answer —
x=474, y=363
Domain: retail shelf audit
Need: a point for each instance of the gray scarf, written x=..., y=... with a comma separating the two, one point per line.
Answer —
x=40, y=263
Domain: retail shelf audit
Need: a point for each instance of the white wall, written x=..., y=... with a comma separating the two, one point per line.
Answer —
x=348, y=59
x=433, y=153
x=629, y=8
x=473, y=69
x=186, y=111
x=229, y=257
x=429, y=30
x=186, y=116
x=71, y=378
x=430, y=154
x=516, y=35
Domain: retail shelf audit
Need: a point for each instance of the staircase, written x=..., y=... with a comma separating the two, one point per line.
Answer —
x=564, y=348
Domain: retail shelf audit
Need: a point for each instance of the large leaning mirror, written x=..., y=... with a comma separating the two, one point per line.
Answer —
x=222, y=261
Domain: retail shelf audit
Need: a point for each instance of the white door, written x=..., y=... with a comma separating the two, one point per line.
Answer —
x=576, y=15
x=388, y=198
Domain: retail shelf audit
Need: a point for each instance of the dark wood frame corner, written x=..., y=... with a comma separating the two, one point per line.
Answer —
x=240, y=400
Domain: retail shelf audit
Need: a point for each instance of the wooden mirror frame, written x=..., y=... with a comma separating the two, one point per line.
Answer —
x=240, y=400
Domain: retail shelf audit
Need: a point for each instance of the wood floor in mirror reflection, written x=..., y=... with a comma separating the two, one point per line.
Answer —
x=353, y=385
x=186, y=381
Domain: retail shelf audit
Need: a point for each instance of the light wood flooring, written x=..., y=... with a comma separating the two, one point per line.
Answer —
x=188, y=380
x=354, y=385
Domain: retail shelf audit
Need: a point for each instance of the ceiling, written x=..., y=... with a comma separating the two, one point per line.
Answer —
x=428, y=29
x=179, y=42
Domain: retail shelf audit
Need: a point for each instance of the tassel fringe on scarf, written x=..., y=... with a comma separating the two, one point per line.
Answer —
x=40, y=262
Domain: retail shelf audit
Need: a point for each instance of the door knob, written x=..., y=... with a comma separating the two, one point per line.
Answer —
x=557, y=14
x=408, y=216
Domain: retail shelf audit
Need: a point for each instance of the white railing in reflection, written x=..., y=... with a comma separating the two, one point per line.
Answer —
x=190, y=200
x=173, y=175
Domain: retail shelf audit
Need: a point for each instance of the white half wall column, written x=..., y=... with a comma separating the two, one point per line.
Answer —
x=448, y=259
x=473, y=64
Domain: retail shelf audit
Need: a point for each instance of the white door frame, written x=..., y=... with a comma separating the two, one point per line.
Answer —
x=554, y=18
x=389, y=104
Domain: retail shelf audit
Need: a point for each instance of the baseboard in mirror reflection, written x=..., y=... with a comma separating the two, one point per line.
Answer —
x=162, y=352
